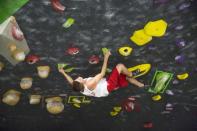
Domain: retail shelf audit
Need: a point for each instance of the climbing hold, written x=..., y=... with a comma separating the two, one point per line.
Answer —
x=155, y=28
x=108, y=70
x=26, y=83
x=32, y=59
x=72, y=51
x=77, y=105
x=179, y=27
x=94, y=59
x=113, y=113
x=54, y=105
x=169, y=92
x=184, y=6
x=17, y=33
x=160, y=82
x=140, y=38
x=156, y=98
x=175, y=82
x=183, y=76
x=34, y=99
x=68, y=23
x=43, y=71
x=61, y=65
x=142, y=69
x=69, y=69
x=75, y=100
x=11, y=97
x=1, y=66
x=148, y=125
x=180, y=43
x=18, y=55
x=117, y=108
x=105, y=50
x=169, y=107
x=128, y=105
x=125, y=51
x=179, y=59
x=57, y=6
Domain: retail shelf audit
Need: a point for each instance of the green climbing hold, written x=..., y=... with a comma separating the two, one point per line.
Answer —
x=61, y=65
x=160, y=82
x=68, y=23
x=108, y=70
x=105, y=50
x=69, y=69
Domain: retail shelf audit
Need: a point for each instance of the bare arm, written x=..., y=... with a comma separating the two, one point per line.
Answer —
x=68, y=78
x=99, y=76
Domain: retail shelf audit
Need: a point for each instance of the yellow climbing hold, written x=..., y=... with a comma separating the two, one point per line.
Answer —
x=140, y=38
x=156, y=98
x=183, y=76
x=155, y=28
x=117, y=108
x=77, y=105
x=113, y=113
x=125, y=51
x=143, y=69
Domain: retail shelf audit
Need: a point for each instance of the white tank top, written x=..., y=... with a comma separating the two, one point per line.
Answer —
x=99, y=91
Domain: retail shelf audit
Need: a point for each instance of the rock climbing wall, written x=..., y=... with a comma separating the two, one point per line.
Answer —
x=98, y=24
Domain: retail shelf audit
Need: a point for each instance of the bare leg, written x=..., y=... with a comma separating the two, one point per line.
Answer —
x=135, y=82
x=122, y=69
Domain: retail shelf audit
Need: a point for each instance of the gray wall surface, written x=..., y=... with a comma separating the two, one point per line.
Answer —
x=104, y=23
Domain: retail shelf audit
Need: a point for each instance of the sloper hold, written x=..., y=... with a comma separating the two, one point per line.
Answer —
x=140, y=38
x=156, y=28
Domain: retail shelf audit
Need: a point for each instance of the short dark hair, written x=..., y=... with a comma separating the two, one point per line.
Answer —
x=77, y=86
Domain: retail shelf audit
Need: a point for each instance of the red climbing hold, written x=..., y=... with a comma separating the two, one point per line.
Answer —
x=72, y=51
x=94, y=59
x=130, y=104
x=31, y=59
x=148, y=125
x=57, y=6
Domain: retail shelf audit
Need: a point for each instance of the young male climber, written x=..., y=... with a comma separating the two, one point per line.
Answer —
x=98, y=86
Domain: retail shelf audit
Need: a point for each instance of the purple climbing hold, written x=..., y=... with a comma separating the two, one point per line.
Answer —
x=180, y=43
x=152, y=47
x=169, y=92
x=175, y=82
x=184, y=6
x=168, y=105
x=179, y=27
x=179, y=59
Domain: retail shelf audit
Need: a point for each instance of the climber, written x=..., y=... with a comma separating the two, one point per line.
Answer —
x=99, y=86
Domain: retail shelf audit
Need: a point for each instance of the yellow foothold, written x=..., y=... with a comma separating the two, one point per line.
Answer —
x=76, y=105
x=75, y=100
x=140, y=38
x=156, y=98
x=156, y=28
x=125, y=51
x=117, y=108
x=113, y=113
x=183, y=76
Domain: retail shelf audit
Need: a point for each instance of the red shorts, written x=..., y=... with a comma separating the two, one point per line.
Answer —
x=116, y=80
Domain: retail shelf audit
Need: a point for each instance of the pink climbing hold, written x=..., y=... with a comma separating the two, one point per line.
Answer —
x=17, y=33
